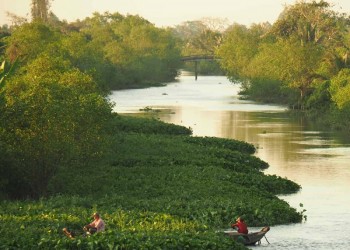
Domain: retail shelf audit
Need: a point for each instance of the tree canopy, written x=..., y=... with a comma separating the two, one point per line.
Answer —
x=55, y=76
x=306, y=46
x=53, y=105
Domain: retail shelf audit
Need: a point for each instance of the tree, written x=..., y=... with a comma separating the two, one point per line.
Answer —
x=306, y=46
x=340, y=89
x=308, y=21
x=52, y=116
x=296, y=66
x=40, y=10
x=318, y=35
x=29, y=40
x=89, y=58
x=314, y=22
x=240, y=45
x=139, y=52
x=216, y=24
x=16, y=20
x=201, y=37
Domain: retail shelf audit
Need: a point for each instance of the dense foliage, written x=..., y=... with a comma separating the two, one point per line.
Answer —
x=139, y=52
x=38, y=225
x=51, y=115
x=154, y=191
x=53, y=105
x=141, y=125
x=64, y=154
x=300, y=60
x=117, y=51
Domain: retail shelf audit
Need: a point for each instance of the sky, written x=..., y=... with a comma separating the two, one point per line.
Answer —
x=165, y=13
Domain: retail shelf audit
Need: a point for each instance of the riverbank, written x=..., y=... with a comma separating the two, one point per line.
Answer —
x=154, y=185
x=294, y=147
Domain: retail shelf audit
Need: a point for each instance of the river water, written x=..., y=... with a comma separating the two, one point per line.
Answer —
x=319, y=160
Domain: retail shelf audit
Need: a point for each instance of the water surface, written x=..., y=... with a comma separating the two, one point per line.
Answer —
x=317, y=159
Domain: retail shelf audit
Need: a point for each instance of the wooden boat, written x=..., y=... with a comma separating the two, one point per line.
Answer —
x=248, y=239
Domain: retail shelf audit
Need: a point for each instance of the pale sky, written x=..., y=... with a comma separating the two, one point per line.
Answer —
x=165, y=12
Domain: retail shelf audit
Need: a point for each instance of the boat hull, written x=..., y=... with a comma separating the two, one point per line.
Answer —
x=248, y=239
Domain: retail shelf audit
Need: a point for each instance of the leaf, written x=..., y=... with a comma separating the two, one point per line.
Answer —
x=2, y=67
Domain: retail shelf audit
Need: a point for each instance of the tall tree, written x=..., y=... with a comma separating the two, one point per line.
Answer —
x=40, y=10
x=319, y=32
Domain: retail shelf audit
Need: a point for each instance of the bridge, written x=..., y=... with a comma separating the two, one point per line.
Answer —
x=196, y=59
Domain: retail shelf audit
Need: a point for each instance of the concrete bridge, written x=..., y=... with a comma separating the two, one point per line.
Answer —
x=196, y=59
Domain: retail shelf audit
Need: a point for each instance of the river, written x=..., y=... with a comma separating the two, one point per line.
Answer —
x=319, y=160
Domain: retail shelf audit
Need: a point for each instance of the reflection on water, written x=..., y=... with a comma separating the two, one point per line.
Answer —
x=318, y=160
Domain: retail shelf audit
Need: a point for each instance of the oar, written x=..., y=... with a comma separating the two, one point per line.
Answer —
x=266, y=239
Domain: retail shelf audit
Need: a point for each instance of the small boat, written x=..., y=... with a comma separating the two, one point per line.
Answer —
x=248, y=239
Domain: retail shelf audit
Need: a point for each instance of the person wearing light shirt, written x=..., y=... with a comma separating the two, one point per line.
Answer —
x=98, y=225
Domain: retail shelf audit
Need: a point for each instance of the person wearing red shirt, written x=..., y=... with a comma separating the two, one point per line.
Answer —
x=240, y=225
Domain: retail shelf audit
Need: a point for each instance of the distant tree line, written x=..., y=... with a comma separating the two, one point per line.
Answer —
x=117, y=50
x=301, y=60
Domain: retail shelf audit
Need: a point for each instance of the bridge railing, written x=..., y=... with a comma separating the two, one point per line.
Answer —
x=198, y=58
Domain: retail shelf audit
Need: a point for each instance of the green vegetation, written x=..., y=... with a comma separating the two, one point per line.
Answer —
x=154, y=190
x=300, y=60
x=38, y=226
x=117, y=51
x=64, y=154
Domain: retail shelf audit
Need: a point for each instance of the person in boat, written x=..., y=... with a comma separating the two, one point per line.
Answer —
x=240, y=226
x=98, y=225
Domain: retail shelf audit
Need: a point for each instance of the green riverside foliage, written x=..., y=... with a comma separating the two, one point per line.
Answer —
x=117, y=51
x=301, y=60
x=155, y=185
x=54, y=119
x=135, y=124
x=154, y=191
x=53, y=107
x=140, y=54
x=223, y=143
x=38, y=225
